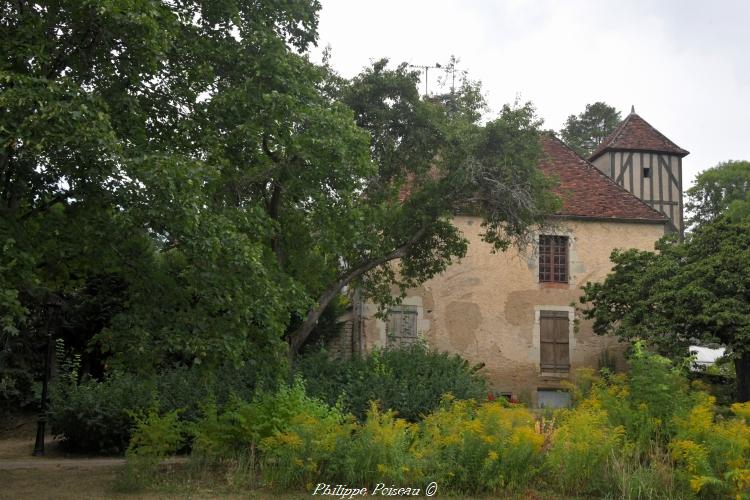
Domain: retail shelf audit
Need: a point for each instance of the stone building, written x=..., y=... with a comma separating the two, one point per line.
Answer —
x=515, y=311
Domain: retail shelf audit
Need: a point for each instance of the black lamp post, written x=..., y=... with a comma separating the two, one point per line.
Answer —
x=51, y=307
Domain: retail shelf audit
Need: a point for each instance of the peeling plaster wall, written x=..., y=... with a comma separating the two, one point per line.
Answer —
x=486, y=307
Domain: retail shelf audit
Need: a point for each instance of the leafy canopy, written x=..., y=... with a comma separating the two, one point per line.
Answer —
x=586, y=131
x=725, y=187
x=197, y=191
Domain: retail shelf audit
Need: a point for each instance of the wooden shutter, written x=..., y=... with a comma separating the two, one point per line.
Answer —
x=402, y=326
x=554, y=342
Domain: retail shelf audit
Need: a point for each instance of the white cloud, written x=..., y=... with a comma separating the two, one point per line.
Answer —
x=683, y=64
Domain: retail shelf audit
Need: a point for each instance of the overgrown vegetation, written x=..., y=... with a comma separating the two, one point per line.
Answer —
x=691, y=291
x=649, y=434
x=411, y=381
x=196, y=192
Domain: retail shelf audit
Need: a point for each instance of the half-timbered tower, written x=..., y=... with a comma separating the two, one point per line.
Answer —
x=642, y=160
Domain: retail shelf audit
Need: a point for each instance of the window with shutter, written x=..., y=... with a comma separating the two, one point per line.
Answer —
x=402, y=326
x=554, y=342
x=553, y=259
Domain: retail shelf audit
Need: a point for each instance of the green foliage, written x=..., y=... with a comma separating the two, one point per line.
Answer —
x=99, y=416
x=586, y=131
x=623, y=439
x=713, y=455
x=94, y=416
x=688, y=292
x=308, y=450
x=377, y=452
x=155, y=437
x=473, y=448
x=717, y=190
x=196, y=190
x=581, y=448
x=650, y=435
x=240, y=426
x=464, y=446
x=110, y=172
x=410, y=380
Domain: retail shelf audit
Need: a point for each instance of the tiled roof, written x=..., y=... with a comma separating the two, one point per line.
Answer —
x=587, y=192
x=636, y=134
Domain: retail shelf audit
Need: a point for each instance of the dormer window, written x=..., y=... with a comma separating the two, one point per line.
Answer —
x=553, y=259
x=646, y=172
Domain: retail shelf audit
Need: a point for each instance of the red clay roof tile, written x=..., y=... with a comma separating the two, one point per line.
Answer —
x=636, y=134
x=587, y=192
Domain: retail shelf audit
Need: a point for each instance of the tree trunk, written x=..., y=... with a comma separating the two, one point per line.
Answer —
x=300, y=335
x=742, y=369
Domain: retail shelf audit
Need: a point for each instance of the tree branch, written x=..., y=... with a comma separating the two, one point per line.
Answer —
x=300, y=335
x=274, y=207
x=44, y=206
x=271, y=154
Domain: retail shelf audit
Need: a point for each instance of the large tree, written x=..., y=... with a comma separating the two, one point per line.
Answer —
x=428, y=160
x=694, y=291
x=691, y=292
x=182, y=174
x=111, y=171
x=586, y=131
x=716, y=189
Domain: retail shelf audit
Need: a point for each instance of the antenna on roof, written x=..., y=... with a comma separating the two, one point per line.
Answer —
x=632, y=109
x=426, y=68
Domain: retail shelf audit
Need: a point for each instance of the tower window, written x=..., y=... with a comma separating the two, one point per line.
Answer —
x=646, y=172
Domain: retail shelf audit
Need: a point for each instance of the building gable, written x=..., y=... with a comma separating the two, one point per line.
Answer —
x=585, y=191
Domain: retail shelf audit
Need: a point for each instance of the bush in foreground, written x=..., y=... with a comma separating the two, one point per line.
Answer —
x=410, y=381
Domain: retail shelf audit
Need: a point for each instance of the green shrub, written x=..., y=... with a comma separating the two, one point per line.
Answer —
x=94, y=416
x=306, y=452
x=240, y=426
x=378, y=452
x=410, y=381
x=155, y=437
x=714, y=456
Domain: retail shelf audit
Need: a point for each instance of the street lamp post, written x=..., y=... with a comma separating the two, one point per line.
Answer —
x=51, y=307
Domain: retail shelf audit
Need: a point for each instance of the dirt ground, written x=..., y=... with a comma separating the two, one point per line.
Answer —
x=56, y=475
x=62, y=476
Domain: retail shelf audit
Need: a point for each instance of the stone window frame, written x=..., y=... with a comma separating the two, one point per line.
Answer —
x=561, y=345
x=549, y=271
x=409, y=311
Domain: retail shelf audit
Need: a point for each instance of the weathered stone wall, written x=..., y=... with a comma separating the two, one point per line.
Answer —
x=486, y=307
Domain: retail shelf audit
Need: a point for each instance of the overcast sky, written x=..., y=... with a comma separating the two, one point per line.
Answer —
x=683, y=64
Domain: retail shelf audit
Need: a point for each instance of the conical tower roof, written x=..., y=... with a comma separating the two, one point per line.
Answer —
x=636, y=134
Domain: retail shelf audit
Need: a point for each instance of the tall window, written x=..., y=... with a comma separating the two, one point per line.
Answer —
x=402, y=326
x=554, y=347
x=553, y=259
